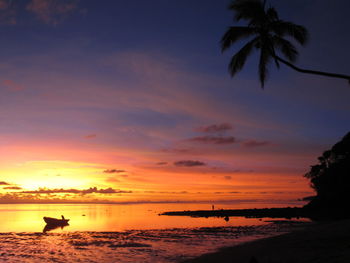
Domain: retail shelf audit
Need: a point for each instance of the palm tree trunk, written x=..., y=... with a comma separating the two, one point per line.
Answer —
x=327, y=74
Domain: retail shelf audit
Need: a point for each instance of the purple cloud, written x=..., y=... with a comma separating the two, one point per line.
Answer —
x=7, y=13
x=188, y=163
x=215, y=128
x=52, y=11
x=213, y=139
x=254, y=143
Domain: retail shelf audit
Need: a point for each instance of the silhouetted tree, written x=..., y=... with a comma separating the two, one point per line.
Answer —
x=267, y=32
x=331, y=179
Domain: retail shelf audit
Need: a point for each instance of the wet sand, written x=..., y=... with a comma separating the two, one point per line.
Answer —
x=326, y=242
x=146, y=246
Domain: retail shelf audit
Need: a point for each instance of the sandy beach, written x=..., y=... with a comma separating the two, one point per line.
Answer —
x=324, y=242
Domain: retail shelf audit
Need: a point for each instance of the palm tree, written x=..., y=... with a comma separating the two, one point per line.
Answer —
x=267, y=33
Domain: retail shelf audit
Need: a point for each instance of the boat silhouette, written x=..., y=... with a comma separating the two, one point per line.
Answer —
x=54, y=223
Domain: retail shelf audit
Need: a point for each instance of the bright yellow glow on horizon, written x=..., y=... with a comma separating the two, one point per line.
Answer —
x=52, y=174
x=148, y=183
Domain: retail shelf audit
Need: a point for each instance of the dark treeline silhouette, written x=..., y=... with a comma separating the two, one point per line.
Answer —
x=331, y=180
x=269, y=34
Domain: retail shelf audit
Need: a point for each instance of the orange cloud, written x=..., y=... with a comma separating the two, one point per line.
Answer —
x=112, y=180
x=13, y=86
x=161, y=163
x=112, y=171
x=13, y=188
x=90, y=136
x=77, y=191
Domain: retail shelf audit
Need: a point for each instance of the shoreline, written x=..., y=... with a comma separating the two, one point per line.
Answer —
x=282, y=212
x=323, y=242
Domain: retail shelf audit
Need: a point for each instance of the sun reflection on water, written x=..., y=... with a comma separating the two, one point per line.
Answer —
x=99, y=217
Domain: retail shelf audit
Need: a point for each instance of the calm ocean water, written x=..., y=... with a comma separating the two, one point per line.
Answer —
x=124, y=233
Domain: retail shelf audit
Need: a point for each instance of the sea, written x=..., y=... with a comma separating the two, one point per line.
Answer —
x=128, y=232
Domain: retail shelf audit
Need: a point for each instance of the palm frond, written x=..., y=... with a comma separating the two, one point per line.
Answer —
x=233, y=34
x=247, y=9
x=286, y=47
x=272, y=14
x=239, y=59
x=265, y=57
x=284, y=28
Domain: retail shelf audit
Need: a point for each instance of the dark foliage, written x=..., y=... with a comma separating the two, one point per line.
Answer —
x=331, y=180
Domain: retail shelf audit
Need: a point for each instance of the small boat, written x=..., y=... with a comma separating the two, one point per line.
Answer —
x=56, y=221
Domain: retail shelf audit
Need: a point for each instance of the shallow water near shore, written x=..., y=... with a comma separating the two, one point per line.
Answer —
x=123, y=233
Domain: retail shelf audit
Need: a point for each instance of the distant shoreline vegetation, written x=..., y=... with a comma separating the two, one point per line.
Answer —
x=286, y=212
x=289, y=212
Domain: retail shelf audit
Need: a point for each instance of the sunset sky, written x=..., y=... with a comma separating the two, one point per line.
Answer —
x=131, y=101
